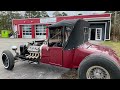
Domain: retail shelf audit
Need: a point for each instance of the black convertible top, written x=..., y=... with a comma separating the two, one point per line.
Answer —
x=64, y=23
x=78, y=34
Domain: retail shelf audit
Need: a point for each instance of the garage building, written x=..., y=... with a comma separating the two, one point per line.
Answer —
x=100, y=26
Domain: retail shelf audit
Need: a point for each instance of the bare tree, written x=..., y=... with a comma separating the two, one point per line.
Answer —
x=44, y=14
x=64, y=14
x=6, y=18
x=115, y=20
x=57, y=13
x=32, y=14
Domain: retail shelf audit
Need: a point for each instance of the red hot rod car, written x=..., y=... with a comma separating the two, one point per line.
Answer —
x=68, y=46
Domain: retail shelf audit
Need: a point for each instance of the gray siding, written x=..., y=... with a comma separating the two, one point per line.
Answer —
x=107, y=30
x=102, y=25
x=99, y=25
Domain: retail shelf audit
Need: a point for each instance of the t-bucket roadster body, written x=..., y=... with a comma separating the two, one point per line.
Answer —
x=68, y=46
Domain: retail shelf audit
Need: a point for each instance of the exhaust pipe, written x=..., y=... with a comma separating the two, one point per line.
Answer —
x=32, y=56
x=27, y=56
x=37, y=55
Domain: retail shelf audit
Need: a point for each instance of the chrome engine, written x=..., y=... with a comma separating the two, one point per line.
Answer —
x=35, y=52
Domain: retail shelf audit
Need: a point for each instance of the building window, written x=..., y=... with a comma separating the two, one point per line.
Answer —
x=26, y=29
x=40, y=29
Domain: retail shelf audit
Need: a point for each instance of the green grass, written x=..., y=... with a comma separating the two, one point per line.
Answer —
x=114, y=45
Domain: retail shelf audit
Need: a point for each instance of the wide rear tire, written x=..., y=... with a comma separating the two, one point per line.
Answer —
x=8, y=59
x=98, y=67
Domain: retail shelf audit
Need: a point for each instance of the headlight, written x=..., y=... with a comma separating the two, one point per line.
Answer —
x=14, y=48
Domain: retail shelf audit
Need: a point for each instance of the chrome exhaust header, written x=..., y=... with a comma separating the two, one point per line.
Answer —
x=33, y=56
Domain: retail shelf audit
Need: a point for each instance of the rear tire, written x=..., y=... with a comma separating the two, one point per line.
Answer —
x=8, y=59
x=98, y=67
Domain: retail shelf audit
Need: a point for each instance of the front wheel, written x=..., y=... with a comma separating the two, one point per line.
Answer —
x=8, y=59
x=98, y=67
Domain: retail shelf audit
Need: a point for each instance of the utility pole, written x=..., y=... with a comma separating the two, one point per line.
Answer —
x=115, y=17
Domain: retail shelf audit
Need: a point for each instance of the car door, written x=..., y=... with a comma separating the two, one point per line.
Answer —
x=55, y=55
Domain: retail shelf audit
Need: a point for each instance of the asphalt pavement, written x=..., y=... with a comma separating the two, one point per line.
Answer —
x=24, y=70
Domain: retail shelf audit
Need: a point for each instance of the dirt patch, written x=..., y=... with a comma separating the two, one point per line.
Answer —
x=71, y=74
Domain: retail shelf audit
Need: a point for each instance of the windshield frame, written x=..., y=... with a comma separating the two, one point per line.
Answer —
x=63, y=31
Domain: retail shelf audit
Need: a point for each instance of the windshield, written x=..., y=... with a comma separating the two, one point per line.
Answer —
x=55, y=35
x=59, y=35
x=73, y=33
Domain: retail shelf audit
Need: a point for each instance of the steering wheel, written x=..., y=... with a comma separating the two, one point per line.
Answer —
x=58, y=44
x=55, y=44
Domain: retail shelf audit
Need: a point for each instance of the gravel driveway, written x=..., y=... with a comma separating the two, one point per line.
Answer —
x=24, y=70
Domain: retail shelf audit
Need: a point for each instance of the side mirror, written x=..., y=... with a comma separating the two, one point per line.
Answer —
x=14, y=48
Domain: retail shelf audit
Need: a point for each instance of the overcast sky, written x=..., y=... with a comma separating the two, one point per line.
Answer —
x=70, y=13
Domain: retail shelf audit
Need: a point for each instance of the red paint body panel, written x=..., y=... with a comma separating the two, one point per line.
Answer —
x=55, y=55
x=105, y=51
x=68, y=58
x=52, y=55
x=72, y=58
x=45, y=54
x=80, y=54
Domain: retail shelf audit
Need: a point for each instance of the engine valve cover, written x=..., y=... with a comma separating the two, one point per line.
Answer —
x=33, y=49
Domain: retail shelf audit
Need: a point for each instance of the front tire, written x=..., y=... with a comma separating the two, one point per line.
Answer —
x=98, y=67
x=8, y=59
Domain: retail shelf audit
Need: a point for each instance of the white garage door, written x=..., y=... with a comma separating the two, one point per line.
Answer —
x=40, y=31
x=27, y=31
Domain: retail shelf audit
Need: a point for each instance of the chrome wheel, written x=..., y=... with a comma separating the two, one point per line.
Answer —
x=97, y=72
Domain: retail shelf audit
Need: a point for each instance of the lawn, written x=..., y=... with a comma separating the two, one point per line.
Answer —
x=114, y=45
